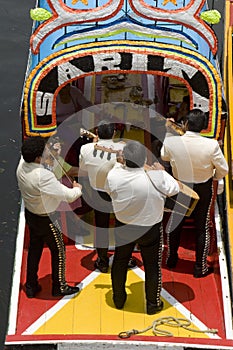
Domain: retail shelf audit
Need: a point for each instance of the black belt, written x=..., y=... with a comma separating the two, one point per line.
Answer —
x=42, y=215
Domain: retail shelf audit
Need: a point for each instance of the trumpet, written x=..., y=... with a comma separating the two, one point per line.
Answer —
x=87, y=133
x=179, y=129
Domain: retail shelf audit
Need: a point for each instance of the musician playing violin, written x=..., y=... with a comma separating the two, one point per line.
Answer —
x=42, y=193
x=92, y=160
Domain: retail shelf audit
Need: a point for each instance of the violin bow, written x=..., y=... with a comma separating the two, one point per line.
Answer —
x=63, y=170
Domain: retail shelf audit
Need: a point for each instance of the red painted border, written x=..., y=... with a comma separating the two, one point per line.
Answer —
x=135, y=338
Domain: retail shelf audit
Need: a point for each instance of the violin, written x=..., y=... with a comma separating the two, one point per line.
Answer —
x=48, y=161
x=52, y=153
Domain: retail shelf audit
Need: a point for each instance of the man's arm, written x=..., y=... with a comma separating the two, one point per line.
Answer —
x=164, y=154
x=164, y=182
x=220, y=163
x=82, y=165
x=49, y=185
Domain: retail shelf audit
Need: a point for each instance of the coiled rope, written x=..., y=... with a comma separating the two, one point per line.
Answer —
x=168, y=321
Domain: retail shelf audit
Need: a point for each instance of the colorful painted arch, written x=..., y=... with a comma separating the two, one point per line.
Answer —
x=197, y=72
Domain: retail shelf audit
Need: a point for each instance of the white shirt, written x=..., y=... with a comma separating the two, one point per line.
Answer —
x=194, y=158
x=41, y=191
x=134, y=198
x=96, y=163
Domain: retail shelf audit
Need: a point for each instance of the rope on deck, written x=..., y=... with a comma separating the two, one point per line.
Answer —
x=168, y=321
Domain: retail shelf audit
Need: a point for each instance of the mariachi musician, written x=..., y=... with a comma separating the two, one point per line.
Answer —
x=42, y=193
x=196, y=161
x=91, y=161
x=138, y=203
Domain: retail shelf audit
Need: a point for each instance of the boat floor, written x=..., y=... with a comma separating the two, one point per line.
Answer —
x=91, y=316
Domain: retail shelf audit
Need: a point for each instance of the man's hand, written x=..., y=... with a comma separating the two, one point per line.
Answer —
x=180, y=184
x=157, y=166
x=120, y=158
x=55, y=149
x=154, y=166
x=76, y=184
x=95, y=139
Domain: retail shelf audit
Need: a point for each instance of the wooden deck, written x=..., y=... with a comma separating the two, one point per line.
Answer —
x=91, y=316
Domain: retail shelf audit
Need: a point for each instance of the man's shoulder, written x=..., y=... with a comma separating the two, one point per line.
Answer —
x=119, y=144
x=171, y=140
x=201, y=141
x=44, y=174
x=87, y=147
x=116, y=169
x=207, y=140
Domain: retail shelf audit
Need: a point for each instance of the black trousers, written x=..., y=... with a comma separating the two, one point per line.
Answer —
x=201, y=216
x=150, y=241
x=45, y=229
x=102, y=218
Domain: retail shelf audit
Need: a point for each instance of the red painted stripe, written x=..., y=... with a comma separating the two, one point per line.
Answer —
x=135, y=338
x=201, y=296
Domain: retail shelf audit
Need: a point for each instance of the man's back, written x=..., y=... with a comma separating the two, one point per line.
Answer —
x=92, y=160
x=134, y=197
x=40, y=189
x=194, y=158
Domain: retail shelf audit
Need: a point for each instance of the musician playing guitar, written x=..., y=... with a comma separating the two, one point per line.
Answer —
x=92, y=160
x=196, y=161
x=138, y=206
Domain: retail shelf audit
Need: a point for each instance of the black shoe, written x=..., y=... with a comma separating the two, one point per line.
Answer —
x=152, y=309
x=198, y=274
x=101, y=265
x=32, y=291
x=172, y=261
x=119, y=301
x=132, y=263
x=67, y=290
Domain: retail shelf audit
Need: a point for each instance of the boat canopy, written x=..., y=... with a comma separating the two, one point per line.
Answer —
x=77, y=39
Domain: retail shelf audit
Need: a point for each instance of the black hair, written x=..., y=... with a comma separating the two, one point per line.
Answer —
x=197, y=120
x=106, y=130
x=186, y=98
x=32, y=148
x=134, y=154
